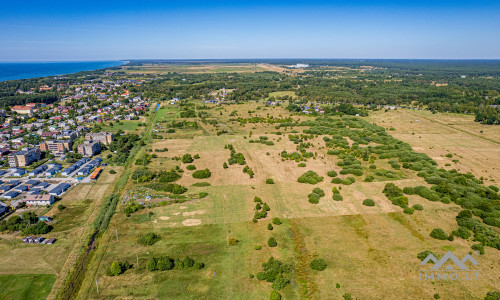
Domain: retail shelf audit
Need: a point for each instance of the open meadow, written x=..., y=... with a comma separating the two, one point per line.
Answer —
x=256, y=150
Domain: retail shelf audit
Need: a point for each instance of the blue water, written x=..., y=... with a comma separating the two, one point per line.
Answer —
x=24, y=70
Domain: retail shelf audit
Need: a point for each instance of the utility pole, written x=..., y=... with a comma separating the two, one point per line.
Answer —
x=116, y=233
x=97, y=286
x=137, y=259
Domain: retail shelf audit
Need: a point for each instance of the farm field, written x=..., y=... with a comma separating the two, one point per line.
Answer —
x=367, y=248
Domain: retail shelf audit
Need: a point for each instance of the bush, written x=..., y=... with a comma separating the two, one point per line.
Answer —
x=368, y=202
x=319, y=192
x=149, y=239
x=112, y=172
x=275, y=296
x=336, y=180
x=408, y=210
x=152, y=265
x=318, y=264
x=224, y=165
x=332, y=173
x=408, y=190
x=258, y=247
x=200, y=184
x=269, y=181
x=302, y=165
x=191, y=167
x=197, y=156
x=369, y=178
x=187, y=158
x=164, y=263
x=439, y=234
x=338, y=197
x=478, y=247
x=392, y=191
x=313, y=198
x=492, y=295
x=200, y=174
x=423, y=255
x=310, y=177
x=276, y=272
x=271, y=242
x=417, y=207
x=61, y=207
x=276, y=221
x=400, y=201
x=462, y=232
x=115, y=269
x=232, y=241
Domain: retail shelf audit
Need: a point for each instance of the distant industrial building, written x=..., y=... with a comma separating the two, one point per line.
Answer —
x=104, y=137
x=24, y=157
x=89, y=148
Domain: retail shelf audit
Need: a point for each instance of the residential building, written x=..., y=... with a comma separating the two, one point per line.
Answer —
x=104, y=137
x=24, y=157
x=22, y=110
x=57, y=147
x=68, y=135
x=59, y=189
x=39, y=200
x=89, y=148
x=3, y=208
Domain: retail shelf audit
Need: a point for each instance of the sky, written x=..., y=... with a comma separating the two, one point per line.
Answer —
x=121, y=30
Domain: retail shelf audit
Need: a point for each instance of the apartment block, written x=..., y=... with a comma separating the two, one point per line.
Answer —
x=24, y=157
x=104, y=137
x=89, y=148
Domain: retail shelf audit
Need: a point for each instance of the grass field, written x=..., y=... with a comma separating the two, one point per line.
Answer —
x=26, y=286
x=371, y=251
x=197, y=69
x=475, y=146
x=125, y=125
x=283, y=93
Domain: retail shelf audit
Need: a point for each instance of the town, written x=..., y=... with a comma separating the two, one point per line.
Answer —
x=48, y=148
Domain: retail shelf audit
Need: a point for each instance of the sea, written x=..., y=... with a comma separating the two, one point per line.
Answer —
x=25, y=70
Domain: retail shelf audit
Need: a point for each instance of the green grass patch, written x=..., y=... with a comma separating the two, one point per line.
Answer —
x=26, y=286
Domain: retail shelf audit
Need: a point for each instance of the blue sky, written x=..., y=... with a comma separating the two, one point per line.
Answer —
x=107, y=30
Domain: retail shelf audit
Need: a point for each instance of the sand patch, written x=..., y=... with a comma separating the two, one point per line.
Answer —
x=164, y=218
x=193, y=213
x=183, y=207
x=176, y=213
x=191, y=222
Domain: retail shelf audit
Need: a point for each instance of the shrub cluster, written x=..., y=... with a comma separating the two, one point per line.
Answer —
x=165, y=263
x=368, y=202
x=316, y=194
x=117, y=268
x=318, y=264
x=200, y=174
x=310, y=177
x=276, y=272
x=148, y=239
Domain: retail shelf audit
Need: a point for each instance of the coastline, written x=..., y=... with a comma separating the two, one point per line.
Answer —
x=31, y=70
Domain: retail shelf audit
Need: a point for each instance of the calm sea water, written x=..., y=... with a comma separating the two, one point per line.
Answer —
x=24, y=70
